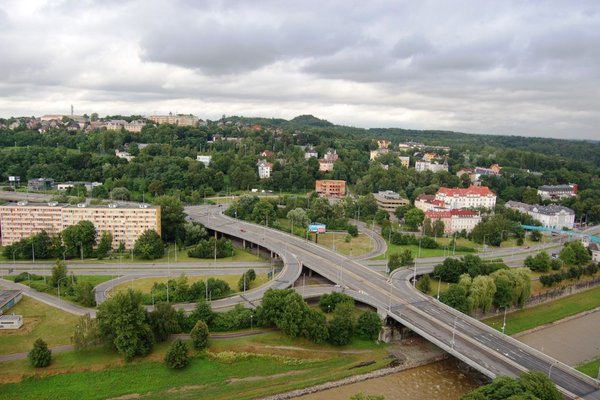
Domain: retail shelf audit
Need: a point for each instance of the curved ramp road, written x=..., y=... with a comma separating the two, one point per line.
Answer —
x=467, y=339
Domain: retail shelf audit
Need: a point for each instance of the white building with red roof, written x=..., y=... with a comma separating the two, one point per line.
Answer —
x=455, y=220
x=427, y=202
x=471, y=197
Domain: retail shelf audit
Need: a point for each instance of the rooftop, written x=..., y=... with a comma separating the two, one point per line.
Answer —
x=470, y=191
x=81, y=205
x=552, y=209
x=8, y=295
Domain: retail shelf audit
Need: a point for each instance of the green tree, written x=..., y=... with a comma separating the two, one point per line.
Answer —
x=104, y=245
x=80, y=238
x=394, y=261
x=120, y=193
x=568, y=255
x=86, y=334
x=427, y=227
x=84, y=294
x=504, y=295
x=368, y=325
x=341, y=327
x=203, y=312
x=172, y=218
x=315, y=326
x=482, y=292
x=456, y=297
x=539, y=263
x=199, y=335
x=163, y=321
x=414, y=218
x=177, y=356
x=329, y=301
x=424, y=284
x=194, y=232
x=246, y=279
x=352, y=230
x=298, y=217
x=539, y=384
x=123, y=324
x=438, y=228
x=40, y=355
x=58, y=274
x=149, y=245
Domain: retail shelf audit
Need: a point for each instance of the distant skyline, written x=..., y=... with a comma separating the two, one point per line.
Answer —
x=513, y=67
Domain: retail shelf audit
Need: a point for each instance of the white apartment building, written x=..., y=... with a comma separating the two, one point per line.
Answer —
x=471, y=197
x=552, y=216
x=125, y=222
x=422, y=165
x=204, y=160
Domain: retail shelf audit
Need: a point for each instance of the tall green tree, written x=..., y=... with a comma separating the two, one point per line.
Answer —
x=414, y=218
x=123, y=324
x=368, y=325
x=58, y=274
x=172, y=218
x=163, y=321
x=177, y=356
x=199, y=335
x=104, y=245
x=149, y=245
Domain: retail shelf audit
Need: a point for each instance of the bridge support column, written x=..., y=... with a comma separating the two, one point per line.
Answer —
x=386, y=334
x=244, y=244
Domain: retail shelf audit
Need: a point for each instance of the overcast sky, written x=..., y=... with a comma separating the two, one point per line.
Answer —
x=505, y=67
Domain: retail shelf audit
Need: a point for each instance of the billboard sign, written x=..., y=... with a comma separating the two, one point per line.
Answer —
x=14, y=178
x=317, y=228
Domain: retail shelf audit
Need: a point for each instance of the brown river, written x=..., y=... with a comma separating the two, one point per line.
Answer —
x=440, y=380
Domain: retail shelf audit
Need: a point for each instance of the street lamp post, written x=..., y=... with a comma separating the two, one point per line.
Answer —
x=32, y=252
x=58, y=287
x=504, y=321
x=454, y=330
x=439, y=284
x=550, y=370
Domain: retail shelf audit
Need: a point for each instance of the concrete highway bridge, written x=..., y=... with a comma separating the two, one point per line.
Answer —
x=467, y=339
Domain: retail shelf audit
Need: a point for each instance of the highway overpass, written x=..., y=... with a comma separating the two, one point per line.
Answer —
x=467, y=339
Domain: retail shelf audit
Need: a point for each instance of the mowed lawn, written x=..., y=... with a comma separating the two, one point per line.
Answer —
x=357, y=246
x=240, y=368
x=425, y=253
x=590, y=368
x=52, y=325
x=145, y=284
x=529, y=318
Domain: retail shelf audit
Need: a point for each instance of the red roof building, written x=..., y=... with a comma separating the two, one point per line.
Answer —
x=471, y=197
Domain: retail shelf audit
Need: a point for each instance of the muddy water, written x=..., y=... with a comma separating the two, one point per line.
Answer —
x=440, y=380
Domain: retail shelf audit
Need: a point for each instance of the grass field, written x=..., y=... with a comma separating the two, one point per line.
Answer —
x=241, y=368
x=590, y=368
x=529, y=318
x=54, y=326
x=394, y=248
x=145, y=284
x=361, y=244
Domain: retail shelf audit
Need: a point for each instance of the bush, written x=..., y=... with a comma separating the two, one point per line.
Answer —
x=424, y=284
x=329, y=301
x=40, y=356
x=149, y=245
x=199, y=335
x=368, y=326
x=177, y=356
x=352, y=230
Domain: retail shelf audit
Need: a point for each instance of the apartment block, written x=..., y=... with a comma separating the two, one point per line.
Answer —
x=330, y=187
x=126, y=222
x=179, y=119
x=471, y=197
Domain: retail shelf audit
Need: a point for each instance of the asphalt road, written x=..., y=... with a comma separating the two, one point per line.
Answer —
x=467, y=339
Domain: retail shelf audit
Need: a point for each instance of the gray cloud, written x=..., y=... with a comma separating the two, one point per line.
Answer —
x=497, y=67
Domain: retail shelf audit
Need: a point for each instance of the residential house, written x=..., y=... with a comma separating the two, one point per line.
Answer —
x=405, y=161
x=204, y=159
x=421, y=166
x=264, y=169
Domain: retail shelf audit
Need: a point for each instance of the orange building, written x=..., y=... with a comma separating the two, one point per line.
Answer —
x=126, y=222
x=330, y=187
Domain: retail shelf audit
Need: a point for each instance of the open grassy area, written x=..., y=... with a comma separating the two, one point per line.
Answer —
x=590, y=368
x=182, y=256
x=42, y=285
x=145, y=284
x=40, y=321
x=361, y=244
x=394, y=248
x=529, y=318
x=241, y=368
